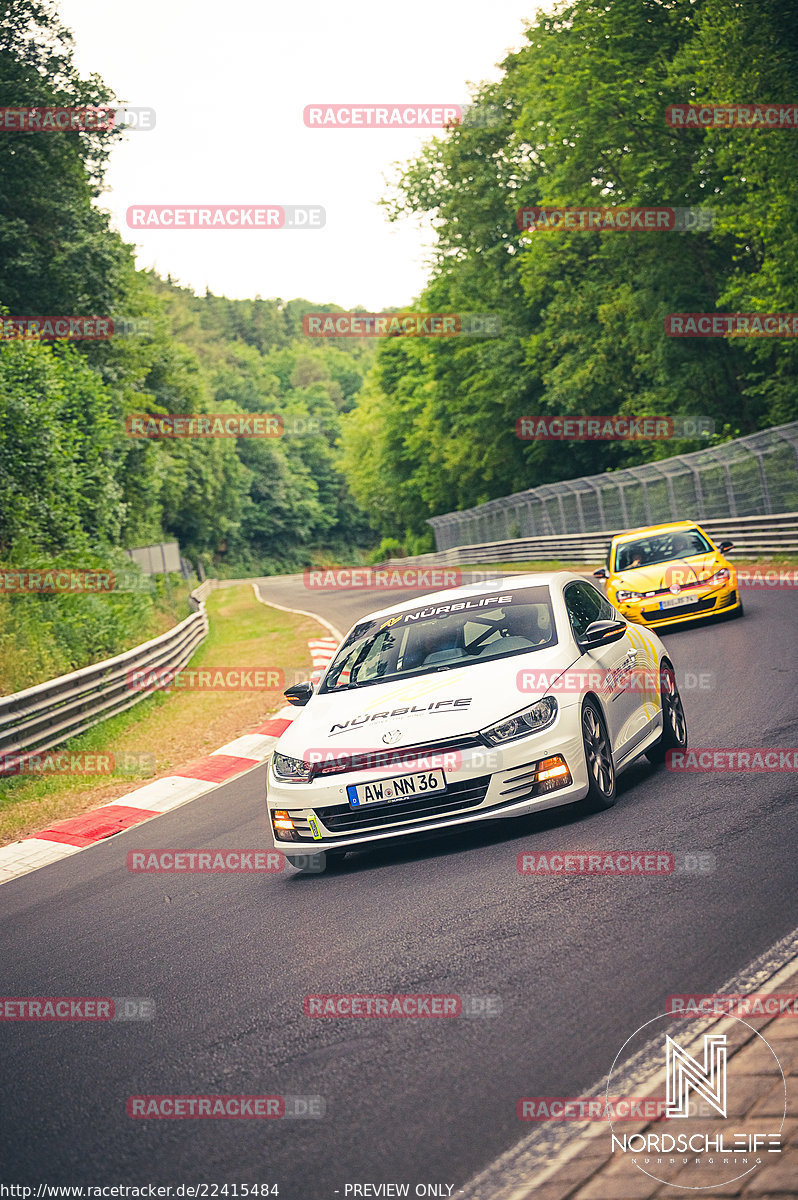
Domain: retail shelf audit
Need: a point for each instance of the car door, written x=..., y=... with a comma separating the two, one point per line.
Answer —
x=613, y=667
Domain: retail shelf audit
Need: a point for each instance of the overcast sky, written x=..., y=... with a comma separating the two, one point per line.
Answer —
x=229, y=81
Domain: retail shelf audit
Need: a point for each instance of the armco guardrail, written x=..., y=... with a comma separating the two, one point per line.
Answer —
x=45, y=716
x=752, y=536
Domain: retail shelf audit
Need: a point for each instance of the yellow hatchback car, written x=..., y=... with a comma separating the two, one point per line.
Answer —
x=666, y=574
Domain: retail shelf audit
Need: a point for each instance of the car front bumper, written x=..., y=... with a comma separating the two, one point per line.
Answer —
x=707, y=604
x=483, y=784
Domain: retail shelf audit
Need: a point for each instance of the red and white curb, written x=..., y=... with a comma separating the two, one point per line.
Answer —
x=63, y=838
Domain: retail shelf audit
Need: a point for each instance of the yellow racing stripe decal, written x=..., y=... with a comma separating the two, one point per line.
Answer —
x=422, y=687
x=650, y=707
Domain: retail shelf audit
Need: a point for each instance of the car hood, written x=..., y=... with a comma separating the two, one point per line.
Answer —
x=682, y=571
x=441, y=705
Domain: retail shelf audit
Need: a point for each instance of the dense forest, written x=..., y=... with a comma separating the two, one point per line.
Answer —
x=408, y=427
x=578, y=117
x=72, y=484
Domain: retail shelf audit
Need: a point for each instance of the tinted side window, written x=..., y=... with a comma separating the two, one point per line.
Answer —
x=585, y=605
x=606, y=611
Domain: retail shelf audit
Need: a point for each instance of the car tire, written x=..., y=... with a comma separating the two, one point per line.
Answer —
x=674, y=722
x=598, y=759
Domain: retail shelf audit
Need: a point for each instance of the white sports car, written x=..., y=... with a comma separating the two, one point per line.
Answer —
x=488, y=701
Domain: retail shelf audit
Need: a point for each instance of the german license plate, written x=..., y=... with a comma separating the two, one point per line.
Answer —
x=400, y=787
x=677, y=601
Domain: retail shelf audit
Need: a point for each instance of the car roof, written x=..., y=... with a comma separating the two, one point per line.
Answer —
x=468, y=591
x=674, y=525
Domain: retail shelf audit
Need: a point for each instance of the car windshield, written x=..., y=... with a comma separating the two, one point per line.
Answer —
x=451, y=634
x=660, y=547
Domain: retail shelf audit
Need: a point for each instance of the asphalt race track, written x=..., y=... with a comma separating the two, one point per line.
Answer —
x=578, y=963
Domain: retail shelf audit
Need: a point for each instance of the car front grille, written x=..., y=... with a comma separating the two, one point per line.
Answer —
x=340, y=818
x=401, y=756
x=684, y=587
x=683, y=610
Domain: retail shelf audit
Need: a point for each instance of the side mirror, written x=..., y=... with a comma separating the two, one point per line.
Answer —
x=299, y=694
x=602, y=633
x=601, y=573
x=724, y=546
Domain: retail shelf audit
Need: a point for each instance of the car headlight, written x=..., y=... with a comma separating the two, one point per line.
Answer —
x=624, y=596
x=291, y=770
x=530, y=720
x=721, y=576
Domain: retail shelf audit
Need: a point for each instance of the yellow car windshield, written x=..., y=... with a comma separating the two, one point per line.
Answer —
x=660, y=547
